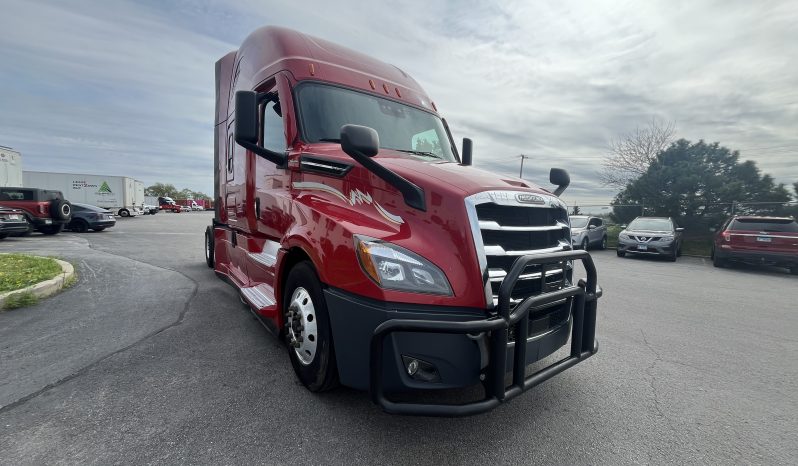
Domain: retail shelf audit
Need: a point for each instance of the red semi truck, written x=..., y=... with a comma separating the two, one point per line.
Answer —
x=355, y=230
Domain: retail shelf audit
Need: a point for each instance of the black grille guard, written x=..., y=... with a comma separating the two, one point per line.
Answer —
x=583, y=341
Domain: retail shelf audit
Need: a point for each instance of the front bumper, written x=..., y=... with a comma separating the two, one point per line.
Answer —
x=371, y=342
x=662, y=248
x=13, y=227
x=775, y=259
x=102, y=223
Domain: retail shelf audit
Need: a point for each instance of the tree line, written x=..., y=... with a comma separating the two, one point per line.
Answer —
x=169, y=190
x=698, y=183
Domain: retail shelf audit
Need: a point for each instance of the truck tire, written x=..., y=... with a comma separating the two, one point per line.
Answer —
x=79, y=226
x=61, y=209
x=209, y=245
x=52, y=229
x=124, y=213
x=307, y=330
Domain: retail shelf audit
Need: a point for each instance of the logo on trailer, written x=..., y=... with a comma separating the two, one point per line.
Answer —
x=105, y=189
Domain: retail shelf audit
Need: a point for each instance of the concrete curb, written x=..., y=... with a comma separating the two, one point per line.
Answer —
x=46, y=288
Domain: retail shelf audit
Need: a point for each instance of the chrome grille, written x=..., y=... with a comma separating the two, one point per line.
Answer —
x=504, y=228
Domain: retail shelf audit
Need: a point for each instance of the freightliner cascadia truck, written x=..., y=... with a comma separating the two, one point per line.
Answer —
x=357, y=232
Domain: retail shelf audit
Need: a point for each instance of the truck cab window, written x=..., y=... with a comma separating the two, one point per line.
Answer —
x=273, y=129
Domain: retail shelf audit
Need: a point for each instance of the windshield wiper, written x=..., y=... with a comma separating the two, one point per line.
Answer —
x=420, y=152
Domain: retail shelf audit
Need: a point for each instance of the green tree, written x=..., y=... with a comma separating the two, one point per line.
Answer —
x=698, y=182
x=161, y=189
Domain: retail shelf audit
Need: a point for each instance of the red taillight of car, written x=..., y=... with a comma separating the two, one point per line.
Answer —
x=726, y=236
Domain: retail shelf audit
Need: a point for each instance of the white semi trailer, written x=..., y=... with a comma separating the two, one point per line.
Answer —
x=120, y=194
x=10, y=167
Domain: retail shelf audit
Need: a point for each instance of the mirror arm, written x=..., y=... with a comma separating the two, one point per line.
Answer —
x=413, y=195
x=270, y=155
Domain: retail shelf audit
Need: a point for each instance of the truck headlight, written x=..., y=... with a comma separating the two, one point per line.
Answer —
x=395, y=268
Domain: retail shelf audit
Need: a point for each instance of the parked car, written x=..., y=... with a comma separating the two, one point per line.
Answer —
x=87, y=217
x=149, y=209
x=588, y=231
x=12, y=221
x=197, y=207
x=45, y=210
x=757, y=240
x=653, y=236
x=185, y=208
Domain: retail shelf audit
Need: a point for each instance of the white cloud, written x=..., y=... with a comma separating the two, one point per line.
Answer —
x=117, y=87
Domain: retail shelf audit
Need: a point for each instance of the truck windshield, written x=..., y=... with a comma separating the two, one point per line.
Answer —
x=324, y=109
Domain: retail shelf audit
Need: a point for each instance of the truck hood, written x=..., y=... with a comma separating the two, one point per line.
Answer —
x=468, y=180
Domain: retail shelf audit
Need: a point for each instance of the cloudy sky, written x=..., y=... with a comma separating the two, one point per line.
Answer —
x=126, y=88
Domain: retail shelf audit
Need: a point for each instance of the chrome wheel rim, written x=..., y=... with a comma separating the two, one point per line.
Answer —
x=207, y=247
x=301, y=326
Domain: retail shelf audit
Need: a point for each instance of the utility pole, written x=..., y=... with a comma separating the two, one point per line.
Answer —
x=521, y=173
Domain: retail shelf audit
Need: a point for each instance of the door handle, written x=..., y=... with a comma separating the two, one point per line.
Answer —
x=257, y=207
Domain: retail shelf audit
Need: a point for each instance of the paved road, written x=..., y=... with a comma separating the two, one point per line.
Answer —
x=150, y=358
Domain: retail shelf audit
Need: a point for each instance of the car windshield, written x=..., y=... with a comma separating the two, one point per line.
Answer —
x=652, y=224
x=774, y=225
x=578, y=222
x=324, y=109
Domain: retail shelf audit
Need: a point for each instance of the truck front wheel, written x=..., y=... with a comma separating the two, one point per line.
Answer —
x=307, y=330
x=124, y=213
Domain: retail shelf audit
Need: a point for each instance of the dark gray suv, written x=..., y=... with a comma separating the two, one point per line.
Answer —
x=652, y=236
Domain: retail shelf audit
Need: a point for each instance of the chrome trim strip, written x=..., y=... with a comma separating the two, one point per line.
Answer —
x=473, y=221
x=497, y=275
x=768, y=235
x=499, y=251
x=491, y=225
x=322, y=166
x=509, y=197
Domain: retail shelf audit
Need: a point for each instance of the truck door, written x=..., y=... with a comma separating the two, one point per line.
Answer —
x=271, y=195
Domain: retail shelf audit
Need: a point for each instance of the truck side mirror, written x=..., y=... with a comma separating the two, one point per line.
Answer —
x=559, y=177
x=362, y=144
x=246, y=126
x=467, y=147
x=362, y=139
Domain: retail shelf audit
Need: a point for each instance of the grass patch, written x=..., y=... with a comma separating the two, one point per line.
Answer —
x=20, y=270
x=20, y=300
x=697, y=246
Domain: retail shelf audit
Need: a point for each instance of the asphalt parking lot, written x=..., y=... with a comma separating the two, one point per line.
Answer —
x=150, y=358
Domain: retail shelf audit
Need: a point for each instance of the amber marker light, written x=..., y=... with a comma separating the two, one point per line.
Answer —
x=373, y=86
x=364, y=256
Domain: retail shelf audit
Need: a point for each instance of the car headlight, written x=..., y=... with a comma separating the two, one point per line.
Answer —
x=623, y=236
x=666, y=238
x=395, y=268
